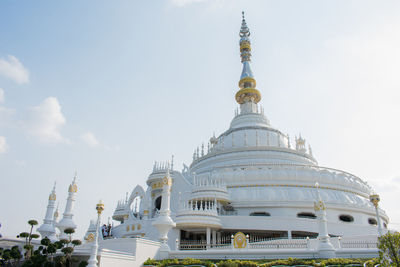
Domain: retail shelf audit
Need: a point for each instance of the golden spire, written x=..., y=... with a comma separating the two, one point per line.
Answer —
x=247, y=83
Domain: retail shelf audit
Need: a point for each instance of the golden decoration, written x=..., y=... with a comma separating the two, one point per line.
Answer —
x=139, y=227
x=374, y=199
x=73, y=188
x=90, y=237
x=145, y=212
x=100, y=207
x=319, y=206
x=245, y=45
x=247, y=80
x=133, y=227
x=239, y=240
x=248, y=94
x=127, y=228
x=52, y=197
x=157, y=185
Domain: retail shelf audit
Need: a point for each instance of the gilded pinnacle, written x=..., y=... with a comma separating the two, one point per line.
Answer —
x=247, y=83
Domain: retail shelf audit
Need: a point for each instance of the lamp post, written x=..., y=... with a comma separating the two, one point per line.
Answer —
x=93, y=255
x=375, y=200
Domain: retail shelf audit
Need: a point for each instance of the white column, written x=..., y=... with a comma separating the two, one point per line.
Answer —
x=289, y=234
x=208, y=234
x=325, y=247
x=214, y=237
x=378, y=220
x=92, y=262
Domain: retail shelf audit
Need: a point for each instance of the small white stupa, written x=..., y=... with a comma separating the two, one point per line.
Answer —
x=66, y=221
x=47, y=229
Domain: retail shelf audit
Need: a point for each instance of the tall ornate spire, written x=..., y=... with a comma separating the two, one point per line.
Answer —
x=247, y=83
x=66, y=221
x=47, y=229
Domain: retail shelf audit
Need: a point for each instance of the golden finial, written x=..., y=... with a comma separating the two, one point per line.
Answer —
x=374, y=198
x=100, y=207
x=247, y=83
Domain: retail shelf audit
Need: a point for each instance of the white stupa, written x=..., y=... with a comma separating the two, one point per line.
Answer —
x=47, y=229
x=67, y=221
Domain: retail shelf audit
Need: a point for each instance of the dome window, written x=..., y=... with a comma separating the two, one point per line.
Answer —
x=307, y=215
x=372, y=221
x=385, y=225
x=346, y=218
x=260, y=214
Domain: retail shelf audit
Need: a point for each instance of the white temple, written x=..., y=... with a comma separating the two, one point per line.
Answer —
x=248, y=193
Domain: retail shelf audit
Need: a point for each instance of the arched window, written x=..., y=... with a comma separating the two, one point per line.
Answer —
x=307, y=215
x=346, y=218
x=372, y=221
x=258, y=213
x=385, y=225
x=157, y=203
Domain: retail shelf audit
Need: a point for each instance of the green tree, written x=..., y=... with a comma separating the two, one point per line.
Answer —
x=16, y=254
x=67, y=249
x=28, y=238
x=389, y=247
x=6, y=255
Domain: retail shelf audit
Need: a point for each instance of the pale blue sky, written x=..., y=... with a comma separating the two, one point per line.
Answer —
x=127, y=83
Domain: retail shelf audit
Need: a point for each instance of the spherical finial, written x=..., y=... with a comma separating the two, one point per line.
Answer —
x=100, y=207
x=374, y=198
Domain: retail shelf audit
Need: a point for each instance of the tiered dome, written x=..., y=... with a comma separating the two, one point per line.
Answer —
x=262, y=168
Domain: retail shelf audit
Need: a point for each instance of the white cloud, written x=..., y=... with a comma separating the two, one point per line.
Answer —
x=47, y=120
x=3, y=144
x=12, y=68
x=1, y=95
x=90, y=139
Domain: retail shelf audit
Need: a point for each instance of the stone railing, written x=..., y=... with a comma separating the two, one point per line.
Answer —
x=198, y=213
x=277, y=243
x=210, y=189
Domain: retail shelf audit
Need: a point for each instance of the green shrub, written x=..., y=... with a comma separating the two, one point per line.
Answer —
x=259, y=263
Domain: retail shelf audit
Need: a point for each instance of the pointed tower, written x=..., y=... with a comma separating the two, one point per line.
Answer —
x=247, y=96
x=66, y=221
x=47, y=229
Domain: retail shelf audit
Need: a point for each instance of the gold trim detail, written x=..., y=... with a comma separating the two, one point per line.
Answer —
x=133, y=227
x=245, y=45
x=247, y=80
x=239, y=240
x=90, y=237
x=52, y=197
x=73, y=188
x=319, y=206
x=248, y=94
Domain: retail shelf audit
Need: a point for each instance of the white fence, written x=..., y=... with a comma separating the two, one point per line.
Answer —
x=279, y=243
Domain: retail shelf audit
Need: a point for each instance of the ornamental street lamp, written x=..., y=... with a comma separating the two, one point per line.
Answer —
x=375, y=200
x=93, y=255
